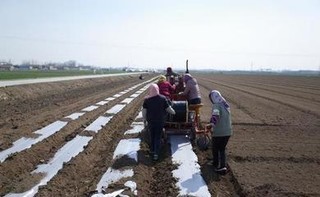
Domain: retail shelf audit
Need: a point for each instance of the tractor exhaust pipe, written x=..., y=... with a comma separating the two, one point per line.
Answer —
x=187, y=69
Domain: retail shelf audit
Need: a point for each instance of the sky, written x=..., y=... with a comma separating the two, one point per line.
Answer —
x=211, y=34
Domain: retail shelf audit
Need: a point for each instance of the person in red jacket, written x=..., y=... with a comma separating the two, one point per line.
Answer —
x=165, y=88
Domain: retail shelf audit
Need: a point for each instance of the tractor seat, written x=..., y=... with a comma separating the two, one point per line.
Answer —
x=195, y=107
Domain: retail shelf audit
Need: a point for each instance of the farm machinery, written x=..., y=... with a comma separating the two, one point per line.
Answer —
x=187, y=119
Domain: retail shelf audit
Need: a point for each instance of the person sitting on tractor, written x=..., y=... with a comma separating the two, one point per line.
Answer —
x=191, y=91
x=180, y=87
x=172, y=80
x=170, y=72
x=165, y=88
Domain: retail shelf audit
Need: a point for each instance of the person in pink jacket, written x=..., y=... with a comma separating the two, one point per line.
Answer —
x=191, y=91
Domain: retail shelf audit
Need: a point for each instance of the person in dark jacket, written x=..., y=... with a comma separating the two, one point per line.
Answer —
x=171, y=73
x=154, y=111
x=172, y=80
x=220, y=122
x=180, y=87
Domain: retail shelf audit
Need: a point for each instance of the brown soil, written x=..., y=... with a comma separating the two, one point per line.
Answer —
x=274, y=150
x=276, y=119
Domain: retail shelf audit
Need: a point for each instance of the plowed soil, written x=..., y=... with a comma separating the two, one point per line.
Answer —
x=275, y=149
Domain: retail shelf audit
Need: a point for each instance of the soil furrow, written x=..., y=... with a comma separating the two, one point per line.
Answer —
x=31, y=114
x=237, y=106
x=274, y=150
x=302, y=95
x=276, y=159
x=85, y=170
x=309, y=110
x=44, y=150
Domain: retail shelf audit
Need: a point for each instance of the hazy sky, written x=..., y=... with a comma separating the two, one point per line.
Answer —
x=226, y=34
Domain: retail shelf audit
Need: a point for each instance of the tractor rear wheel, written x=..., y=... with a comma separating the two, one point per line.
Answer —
x=203, y=141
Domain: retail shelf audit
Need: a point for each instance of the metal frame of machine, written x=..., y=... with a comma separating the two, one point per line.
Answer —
x=190, y=126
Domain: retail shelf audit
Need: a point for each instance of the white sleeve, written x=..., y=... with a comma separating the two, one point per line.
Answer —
x=170, y=110
x=144, y=113
x=216, y=112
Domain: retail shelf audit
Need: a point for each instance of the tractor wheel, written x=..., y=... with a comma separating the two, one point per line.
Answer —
x=203, y=142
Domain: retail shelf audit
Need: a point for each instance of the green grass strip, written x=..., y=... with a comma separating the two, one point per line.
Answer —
x=32, y=74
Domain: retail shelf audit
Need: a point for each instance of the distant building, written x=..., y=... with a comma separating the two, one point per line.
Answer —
x=85, y=68
x=25, y=67
x=50, y=66
x=32, y=65
x=6, y=66
x=37, y=67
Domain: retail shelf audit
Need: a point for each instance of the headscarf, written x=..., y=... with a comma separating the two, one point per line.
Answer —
x=216, y=97
x=187, y=77
x=162, y=78
x=153, y=91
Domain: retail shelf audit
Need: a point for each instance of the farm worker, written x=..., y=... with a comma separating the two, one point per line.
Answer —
x=170, y=72
x=172, y=80
x=220, y=122
x=180, y=86
x=165, y=88
x=191, y=91
x=154, y=111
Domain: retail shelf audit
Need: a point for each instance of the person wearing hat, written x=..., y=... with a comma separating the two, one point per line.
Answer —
x=220, y=123
x=165, y=88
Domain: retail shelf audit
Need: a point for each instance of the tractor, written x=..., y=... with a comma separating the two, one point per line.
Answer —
x=187, y=119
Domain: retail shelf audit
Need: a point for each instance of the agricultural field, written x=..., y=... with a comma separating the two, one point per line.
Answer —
x=32, y=74
x=72, y=138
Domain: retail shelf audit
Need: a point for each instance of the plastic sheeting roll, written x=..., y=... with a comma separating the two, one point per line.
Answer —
x=181, y=109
